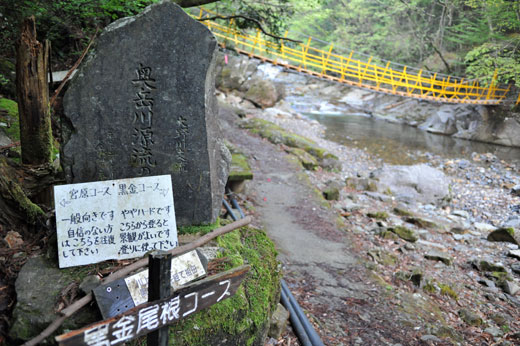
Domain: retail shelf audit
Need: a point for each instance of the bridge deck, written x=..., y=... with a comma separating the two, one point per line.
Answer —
x=392, y=78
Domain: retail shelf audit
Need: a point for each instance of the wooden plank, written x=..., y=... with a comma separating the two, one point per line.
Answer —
x=151, y=316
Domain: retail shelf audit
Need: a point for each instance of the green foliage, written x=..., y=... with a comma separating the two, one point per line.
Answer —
x=67, y=24
x=504, y=56
x=474, y=36
x=12, y=120
x=273, y=15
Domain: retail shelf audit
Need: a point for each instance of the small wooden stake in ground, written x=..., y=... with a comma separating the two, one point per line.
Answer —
x=159, y=287
x=33, y=96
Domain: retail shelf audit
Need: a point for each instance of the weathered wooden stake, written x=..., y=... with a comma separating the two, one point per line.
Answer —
x=159, y=287
x=33, y=96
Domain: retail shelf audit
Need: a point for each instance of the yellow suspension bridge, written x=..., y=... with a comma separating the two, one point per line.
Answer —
x=391, y=79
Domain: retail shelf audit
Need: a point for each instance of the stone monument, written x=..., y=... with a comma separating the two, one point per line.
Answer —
x=143, y=104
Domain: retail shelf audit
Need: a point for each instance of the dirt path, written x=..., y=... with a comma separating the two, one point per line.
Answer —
x=319, y=260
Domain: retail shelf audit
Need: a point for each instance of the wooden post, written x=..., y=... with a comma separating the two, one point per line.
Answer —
x=159, y=287
x=33, y=96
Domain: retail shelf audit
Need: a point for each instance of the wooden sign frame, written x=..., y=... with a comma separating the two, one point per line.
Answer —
x=151, y=316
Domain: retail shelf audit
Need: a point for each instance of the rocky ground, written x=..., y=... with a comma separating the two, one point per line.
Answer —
x=420, y=268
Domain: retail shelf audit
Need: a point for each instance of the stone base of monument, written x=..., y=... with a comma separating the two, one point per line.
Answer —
x=240, y=320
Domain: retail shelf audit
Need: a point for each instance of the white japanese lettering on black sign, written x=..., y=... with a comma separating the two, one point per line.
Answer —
x=114, y=219
x=185, y=268
x=151, y=316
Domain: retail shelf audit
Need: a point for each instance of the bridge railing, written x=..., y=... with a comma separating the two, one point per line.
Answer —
x=399, y=80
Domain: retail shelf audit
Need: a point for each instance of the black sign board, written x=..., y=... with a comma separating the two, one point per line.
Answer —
x=151, y=316
x=115, y=297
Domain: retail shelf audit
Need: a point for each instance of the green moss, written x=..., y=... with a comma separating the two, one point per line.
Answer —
x=448, y=332
x=302, y=177
x=402, y=212
x=202, y=229
x=429, y=287
x=33, y=211
x=331, y=193
x=385, y=234
x=240, y=169
x=238, y=318
x=447, y=290
x=383, y=257
x=404, y=233
x=510, y=230
x=470, y=317
x=380, y=215
x=13, y=120
x=275, y=134
x=307, y=160
x=490, y=267
x=423, y=223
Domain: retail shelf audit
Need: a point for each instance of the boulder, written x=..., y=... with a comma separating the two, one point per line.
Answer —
x=278, y=321
x=404, y=233
x=38, y=289
x=451, y=119
x=514, y=254
x=418, y=183
x=307, y=160
x=484, y=227
x=503, y=235
x=331, y=191
x=435, y=255
x=262, y=92
x=361, y=184
x=232, y=76
x=498, y=130
x=470, y=317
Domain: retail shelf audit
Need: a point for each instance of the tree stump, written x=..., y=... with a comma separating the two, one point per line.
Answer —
x=33, y=96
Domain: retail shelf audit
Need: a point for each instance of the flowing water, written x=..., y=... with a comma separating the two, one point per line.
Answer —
x=400, y=144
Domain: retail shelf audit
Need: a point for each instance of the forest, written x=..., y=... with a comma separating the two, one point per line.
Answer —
x=469, y=38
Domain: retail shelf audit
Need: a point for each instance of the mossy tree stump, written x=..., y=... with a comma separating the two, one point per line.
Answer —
x=33, y=96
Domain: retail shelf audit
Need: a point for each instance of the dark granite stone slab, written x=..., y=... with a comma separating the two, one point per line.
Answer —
x=143, y=104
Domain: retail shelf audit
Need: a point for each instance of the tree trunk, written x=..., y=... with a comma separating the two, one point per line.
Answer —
x=33, y=96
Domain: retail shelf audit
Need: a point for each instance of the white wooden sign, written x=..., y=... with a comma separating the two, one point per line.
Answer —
x=114, y=219
x=185, y=268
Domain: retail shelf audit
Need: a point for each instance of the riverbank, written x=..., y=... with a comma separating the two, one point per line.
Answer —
x=264, y=85
x=448, y=283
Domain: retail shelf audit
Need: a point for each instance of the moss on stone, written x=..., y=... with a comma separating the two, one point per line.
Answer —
x=307, y=160
x=13, y=120
x=275, y=134
x=302, y=177
x=242, y=318
x=447, y=290
x=487, y=266
x=386, y=234
x=448, y=332
x=240, y=169
x=470, y=317
x=402, y=212
x=429, y=287
x=423, y=223
x=383, y=257
x=201, y=229
x=404, y=233
x=380, y=215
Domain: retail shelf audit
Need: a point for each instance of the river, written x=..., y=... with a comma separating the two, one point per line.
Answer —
x=403, y=144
